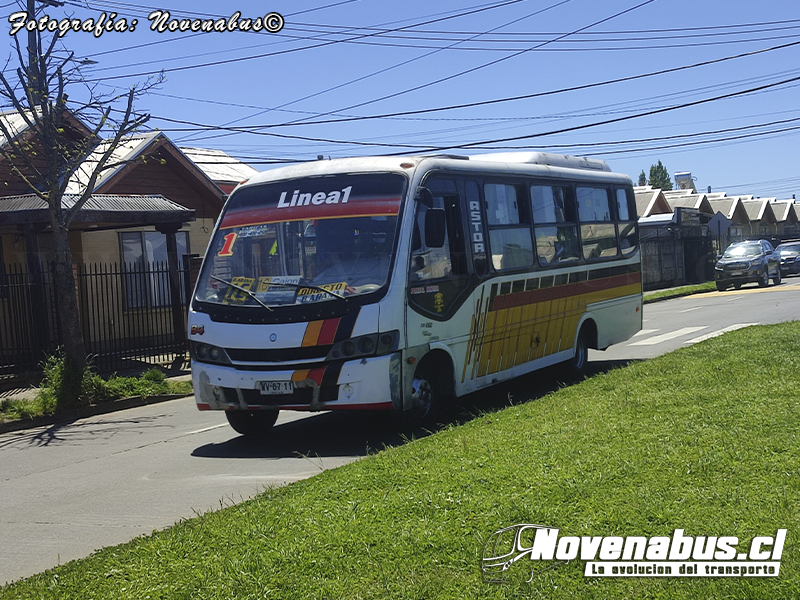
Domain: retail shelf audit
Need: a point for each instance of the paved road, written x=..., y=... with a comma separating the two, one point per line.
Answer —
x=69, y=489
x=676, y=323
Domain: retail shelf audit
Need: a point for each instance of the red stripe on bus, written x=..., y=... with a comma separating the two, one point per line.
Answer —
x=317, y=374
x=328, y=332
x=564, y=291
x=375, y=406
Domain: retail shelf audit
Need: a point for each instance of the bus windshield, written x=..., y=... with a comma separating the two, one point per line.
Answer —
x=316, y=239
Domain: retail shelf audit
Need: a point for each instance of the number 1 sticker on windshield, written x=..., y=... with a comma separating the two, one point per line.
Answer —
x=227, y=247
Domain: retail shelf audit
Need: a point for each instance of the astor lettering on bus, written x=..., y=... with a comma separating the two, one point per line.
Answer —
x=477, y=227
x=299, y=199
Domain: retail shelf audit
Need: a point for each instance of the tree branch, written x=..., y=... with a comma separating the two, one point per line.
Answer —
x=126, y=126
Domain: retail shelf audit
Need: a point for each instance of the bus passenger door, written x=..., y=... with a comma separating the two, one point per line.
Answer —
x=438, y=278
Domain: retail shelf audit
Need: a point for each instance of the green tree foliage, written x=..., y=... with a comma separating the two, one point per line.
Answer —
x=659, y=177
x=642, y=178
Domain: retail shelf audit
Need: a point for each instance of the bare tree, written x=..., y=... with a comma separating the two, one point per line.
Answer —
x=53, y=140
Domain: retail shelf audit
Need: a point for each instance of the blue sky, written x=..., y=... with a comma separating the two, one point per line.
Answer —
x=350, y=59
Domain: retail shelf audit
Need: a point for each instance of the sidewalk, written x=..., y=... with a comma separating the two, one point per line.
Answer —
x=83, y=411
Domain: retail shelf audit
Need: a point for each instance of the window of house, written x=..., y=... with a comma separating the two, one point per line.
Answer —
x=510, y=239
x=598, y=232
x=144, y=257
x=555, y=224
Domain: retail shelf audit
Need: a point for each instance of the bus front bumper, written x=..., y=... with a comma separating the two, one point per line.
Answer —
x=367, y=383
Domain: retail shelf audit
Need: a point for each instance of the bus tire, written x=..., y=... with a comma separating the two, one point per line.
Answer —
x=429, y=391
x=580, y=360
x=252, y=423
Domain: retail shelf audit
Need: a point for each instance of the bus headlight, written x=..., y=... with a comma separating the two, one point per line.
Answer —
x=365, y=345
x=209, y=354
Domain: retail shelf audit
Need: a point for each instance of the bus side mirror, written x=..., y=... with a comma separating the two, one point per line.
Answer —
x=424, y=196
x=434, y=227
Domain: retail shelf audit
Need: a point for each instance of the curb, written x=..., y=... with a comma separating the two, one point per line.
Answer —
x=82, y=412
x=672, y=297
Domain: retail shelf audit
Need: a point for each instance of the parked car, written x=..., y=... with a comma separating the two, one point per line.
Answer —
x=748, y=262
x=790, y=257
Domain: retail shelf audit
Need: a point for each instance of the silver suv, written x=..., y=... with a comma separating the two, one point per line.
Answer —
x=748, y=262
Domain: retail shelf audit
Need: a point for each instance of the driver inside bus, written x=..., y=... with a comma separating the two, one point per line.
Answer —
x=352, y=251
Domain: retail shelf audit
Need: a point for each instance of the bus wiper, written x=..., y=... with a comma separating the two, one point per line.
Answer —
x=241, y=289
x=311, y=287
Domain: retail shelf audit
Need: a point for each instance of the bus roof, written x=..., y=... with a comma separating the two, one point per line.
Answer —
x=531, y=163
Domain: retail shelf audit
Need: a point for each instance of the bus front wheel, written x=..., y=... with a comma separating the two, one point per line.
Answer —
x=429, y=392
x=251, y=423
x=423, y=394
x=580, y=359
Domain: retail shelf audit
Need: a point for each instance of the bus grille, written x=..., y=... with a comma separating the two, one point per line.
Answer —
x=278, y=355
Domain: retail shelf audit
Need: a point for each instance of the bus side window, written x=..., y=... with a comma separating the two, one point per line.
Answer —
x=555, y=224
x=427, y=261
x=598, y=232
x=510, y=239
x=626, y=227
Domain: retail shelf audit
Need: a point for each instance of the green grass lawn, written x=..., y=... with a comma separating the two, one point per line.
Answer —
x=686, y=290
x=95, y=390
x=704, y=439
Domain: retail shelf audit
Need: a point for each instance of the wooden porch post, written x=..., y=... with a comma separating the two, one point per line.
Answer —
x=178, y=323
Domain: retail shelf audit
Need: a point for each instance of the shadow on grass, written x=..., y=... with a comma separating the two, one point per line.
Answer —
x=351, y=433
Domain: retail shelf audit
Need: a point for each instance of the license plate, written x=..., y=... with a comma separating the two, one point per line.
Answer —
x=274, y=388
x=736, y=273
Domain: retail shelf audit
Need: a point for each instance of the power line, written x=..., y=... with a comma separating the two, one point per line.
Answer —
x=454, y=45
x=431, y=148
x=505, y=99
x=610, y=144
x=607, y=32
x=396, y=65
x=479, y=67
x=490, y=63
x=313, y=46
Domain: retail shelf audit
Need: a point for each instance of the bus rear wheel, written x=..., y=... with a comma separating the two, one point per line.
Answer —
x=251, y=423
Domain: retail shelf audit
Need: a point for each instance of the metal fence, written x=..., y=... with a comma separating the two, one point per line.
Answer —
x=662, y=261
x=131, y=316
x=28, y=326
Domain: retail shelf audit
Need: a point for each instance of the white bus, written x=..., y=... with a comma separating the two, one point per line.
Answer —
x=392, y=282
